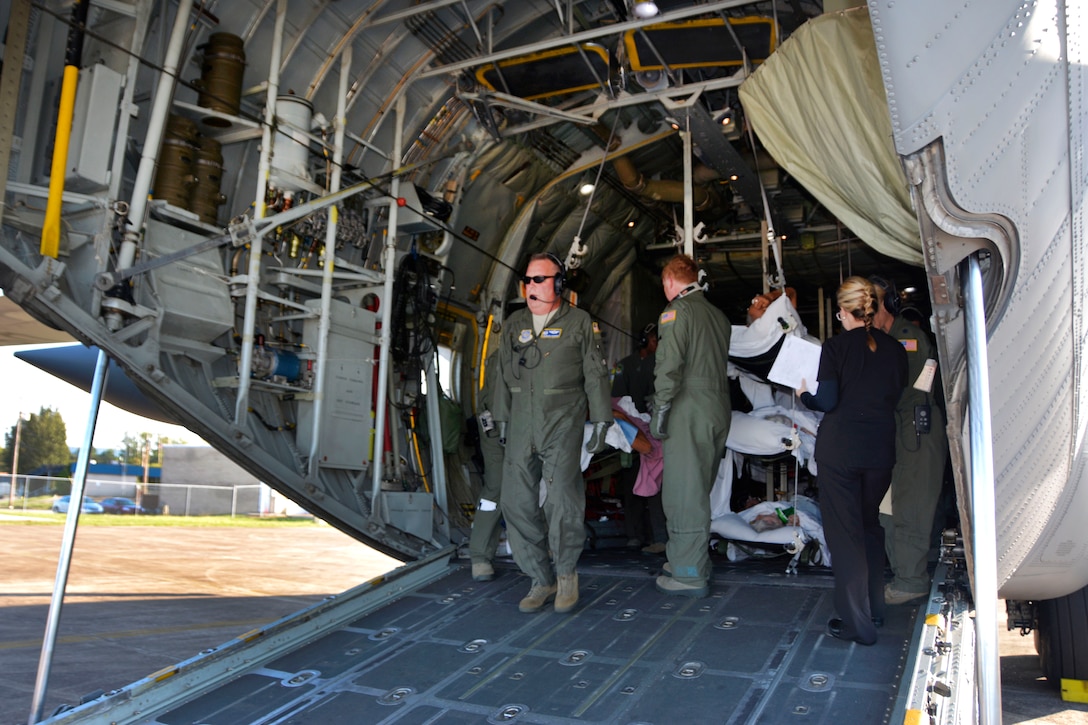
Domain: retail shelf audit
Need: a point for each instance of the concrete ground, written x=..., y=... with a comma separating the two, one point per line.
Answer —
x=142, y=598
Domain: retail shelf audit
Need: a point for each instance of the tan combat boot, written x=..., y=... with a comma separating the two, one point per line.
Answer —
x=568, y=593
x=537, y=597
x=483, y=572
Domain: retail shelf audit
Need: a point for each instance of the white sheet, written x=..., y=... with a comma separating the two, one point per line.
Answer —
x=760, y=336
x=736, y=526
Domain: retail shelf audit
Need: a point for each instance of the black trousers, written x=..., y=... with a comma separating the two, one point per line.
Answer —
x=850, y=506
x=643, y=516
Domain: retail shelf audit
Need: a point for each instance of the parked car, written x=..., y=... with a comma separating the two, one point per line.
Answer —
x=90, y=506
x=122, y=505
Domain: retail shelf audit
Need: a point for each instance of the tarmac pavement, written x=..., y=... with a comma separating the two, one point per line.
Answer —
x=142, y=598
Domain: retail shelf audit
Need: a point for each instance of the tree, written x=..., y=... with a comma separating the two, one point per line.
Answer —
x=131, y=450
x=42, y=442
x=105, y=455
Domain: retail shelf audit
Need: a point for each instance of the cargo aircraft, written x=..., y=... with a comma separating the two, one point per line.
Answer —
x=297, y=227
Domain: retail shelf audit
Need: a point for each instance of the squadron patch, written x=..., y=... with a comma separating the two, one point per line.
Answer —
x=551, y=333
x=669, y=316
x=910, y=345
x=525, y=336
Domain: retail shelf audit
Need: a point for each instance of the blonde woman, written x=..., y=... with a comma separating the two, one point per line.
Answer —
x=862, y=373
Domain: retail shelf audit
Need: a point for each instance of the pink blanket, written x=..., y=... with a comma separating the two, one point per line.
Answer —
x=652, y=465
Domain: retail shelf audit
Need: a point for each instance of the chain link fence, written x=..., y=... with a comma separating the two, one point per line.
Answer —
x=159, y=498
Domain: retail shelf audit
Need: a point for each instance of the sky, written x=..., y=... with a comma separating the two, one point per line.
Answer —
x=27, y=389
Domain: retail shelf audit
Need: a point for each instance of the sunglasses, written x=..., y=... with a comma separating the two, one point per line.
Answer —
x=537, y=278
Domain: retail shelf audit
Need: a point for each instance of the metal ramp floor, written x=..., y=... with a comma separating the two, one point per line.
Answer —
x=458, y=651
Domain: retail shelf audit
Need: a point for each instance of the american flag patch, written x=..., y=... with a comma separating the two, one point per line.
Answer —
x=596, y=329
x=910, y=345
x=669, y=316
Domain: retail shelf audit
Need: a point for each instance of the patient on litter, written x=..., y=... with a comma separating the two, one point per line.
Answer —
x=766, y=522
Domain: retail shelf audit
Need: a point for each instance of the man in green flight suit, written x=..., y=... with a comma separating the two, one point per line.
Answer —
x=691, y=415
x=921, y=448
x=551, y=370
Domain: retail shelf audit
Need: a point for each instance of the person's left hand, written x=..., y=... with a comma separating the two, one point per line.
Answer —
x=596, y=442
x=659, y=420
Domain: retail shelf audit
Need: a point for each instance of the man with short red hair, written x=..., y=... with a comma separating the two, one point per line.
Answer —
x=691, y=415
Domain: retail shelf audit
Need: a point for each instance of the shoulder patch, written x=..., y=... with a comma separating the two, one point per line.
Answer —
x=525, y=336
x=910, y=345
x=596, y=328
x=666, y=317
x=551, y=333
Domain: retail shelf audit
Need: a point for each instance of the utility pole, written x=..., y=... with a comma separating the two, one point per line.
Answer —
x=140, y=490
x=15, y=461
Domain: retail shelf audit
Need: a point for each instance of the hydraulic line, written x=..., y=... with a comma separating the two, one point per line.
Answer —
x=389, y=256
x=325, y=322
x=419, y=456
x=156, y=127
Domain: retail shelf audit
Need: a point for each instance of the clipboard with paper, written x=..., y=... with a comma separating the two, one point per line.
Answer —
x=797, y=359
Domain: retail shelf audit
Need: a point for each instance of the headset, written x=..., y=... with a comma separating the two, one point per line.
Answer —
x=644, y=336
x=560, y=279
x=892, y=302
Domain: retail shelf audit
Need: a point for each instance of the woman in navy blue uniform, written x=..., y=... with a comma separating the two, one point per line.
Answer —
x=862, y=373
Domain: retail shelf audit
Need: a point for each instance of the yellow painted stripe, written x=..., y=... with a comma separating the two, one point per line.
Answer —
x=250, y=635
x=933, y=620
x=912, y=717
x=163, y=674
x=1074, y=690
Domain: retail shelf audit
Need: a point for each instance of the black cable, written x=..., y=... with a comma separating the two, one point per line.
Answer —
x=412, y=333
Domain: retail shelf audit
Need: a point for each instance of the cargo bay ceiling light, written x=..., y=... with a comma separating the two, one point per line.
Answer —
x=645, y=9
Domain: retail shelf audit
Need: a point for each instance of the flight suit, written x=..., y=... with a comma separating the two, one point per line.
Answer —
x=919, y=467
x=690, y=375
x=484, y=539
x=545, y=385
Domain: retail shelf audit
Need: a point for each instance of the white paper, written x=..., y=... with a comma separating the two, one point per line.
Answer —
x=925, y=378
x=797, y=359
